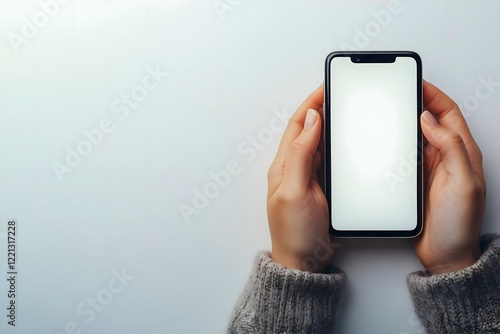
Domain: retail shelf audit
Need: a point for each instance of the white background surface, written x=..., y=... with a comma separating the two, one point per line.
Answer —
x=228, y=76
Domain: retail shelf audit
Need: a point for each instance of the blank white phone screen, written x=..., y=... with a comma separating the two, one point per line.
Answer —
x=373, y=144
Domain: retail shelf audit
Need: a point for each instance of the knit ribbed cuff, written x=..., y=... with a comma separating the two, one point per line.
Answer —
x=466, y=301
x=281, y=300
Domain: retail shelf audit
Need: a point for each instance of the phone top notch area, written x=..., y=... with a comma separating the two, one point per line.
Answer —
x=373, y=58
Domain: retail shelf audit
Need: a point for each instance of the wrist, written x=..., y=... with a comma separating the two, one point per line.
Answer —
x=302, y=263
x=454, y=266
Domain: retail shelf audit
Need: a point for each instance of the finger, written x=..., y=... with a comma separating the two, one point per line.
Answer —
x=316, y=166
x=299, y=166
x=293, y=130
x=450, y=116
x=431, y=160
x=296, y=122
x=320, y=169
x=451, y=148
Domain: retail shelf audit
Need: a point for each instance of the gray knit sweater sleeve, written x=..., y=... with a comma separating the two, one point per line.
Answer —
x=281, y=300
x=466, y=301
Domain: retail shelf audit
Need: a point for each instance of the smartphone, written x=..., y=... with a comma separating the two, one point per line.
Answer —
x=373, y=141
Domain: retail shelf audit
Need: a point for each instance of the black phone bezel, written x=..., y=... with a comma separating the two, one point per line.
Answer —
x=374, y=57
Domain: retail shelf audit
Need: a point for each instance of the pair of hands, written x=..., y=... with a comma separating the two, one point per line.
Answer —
x=454, y=190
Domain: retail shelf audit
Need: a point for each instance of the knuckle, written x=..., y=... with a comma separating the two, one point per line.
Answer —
x=296, y=120
x=296, y=148
x=269, y=175
x=286, y=197
x=473, y=190
x=456, y=107
x=453, y=139
x=276, y=166
x=479, y=155
x=270, y=172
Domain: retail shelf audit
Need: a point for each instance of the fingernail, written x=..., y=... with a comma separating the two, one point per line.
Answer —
x=310, y=118
x=429, y=118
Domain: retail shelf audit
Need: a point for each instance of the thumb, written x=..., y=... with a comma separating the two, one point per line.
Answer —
x=450, y=145
x=300, y=157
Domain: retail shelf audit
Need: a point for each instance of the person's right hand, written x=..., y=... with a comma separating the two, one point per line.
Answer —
x=454, y=188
